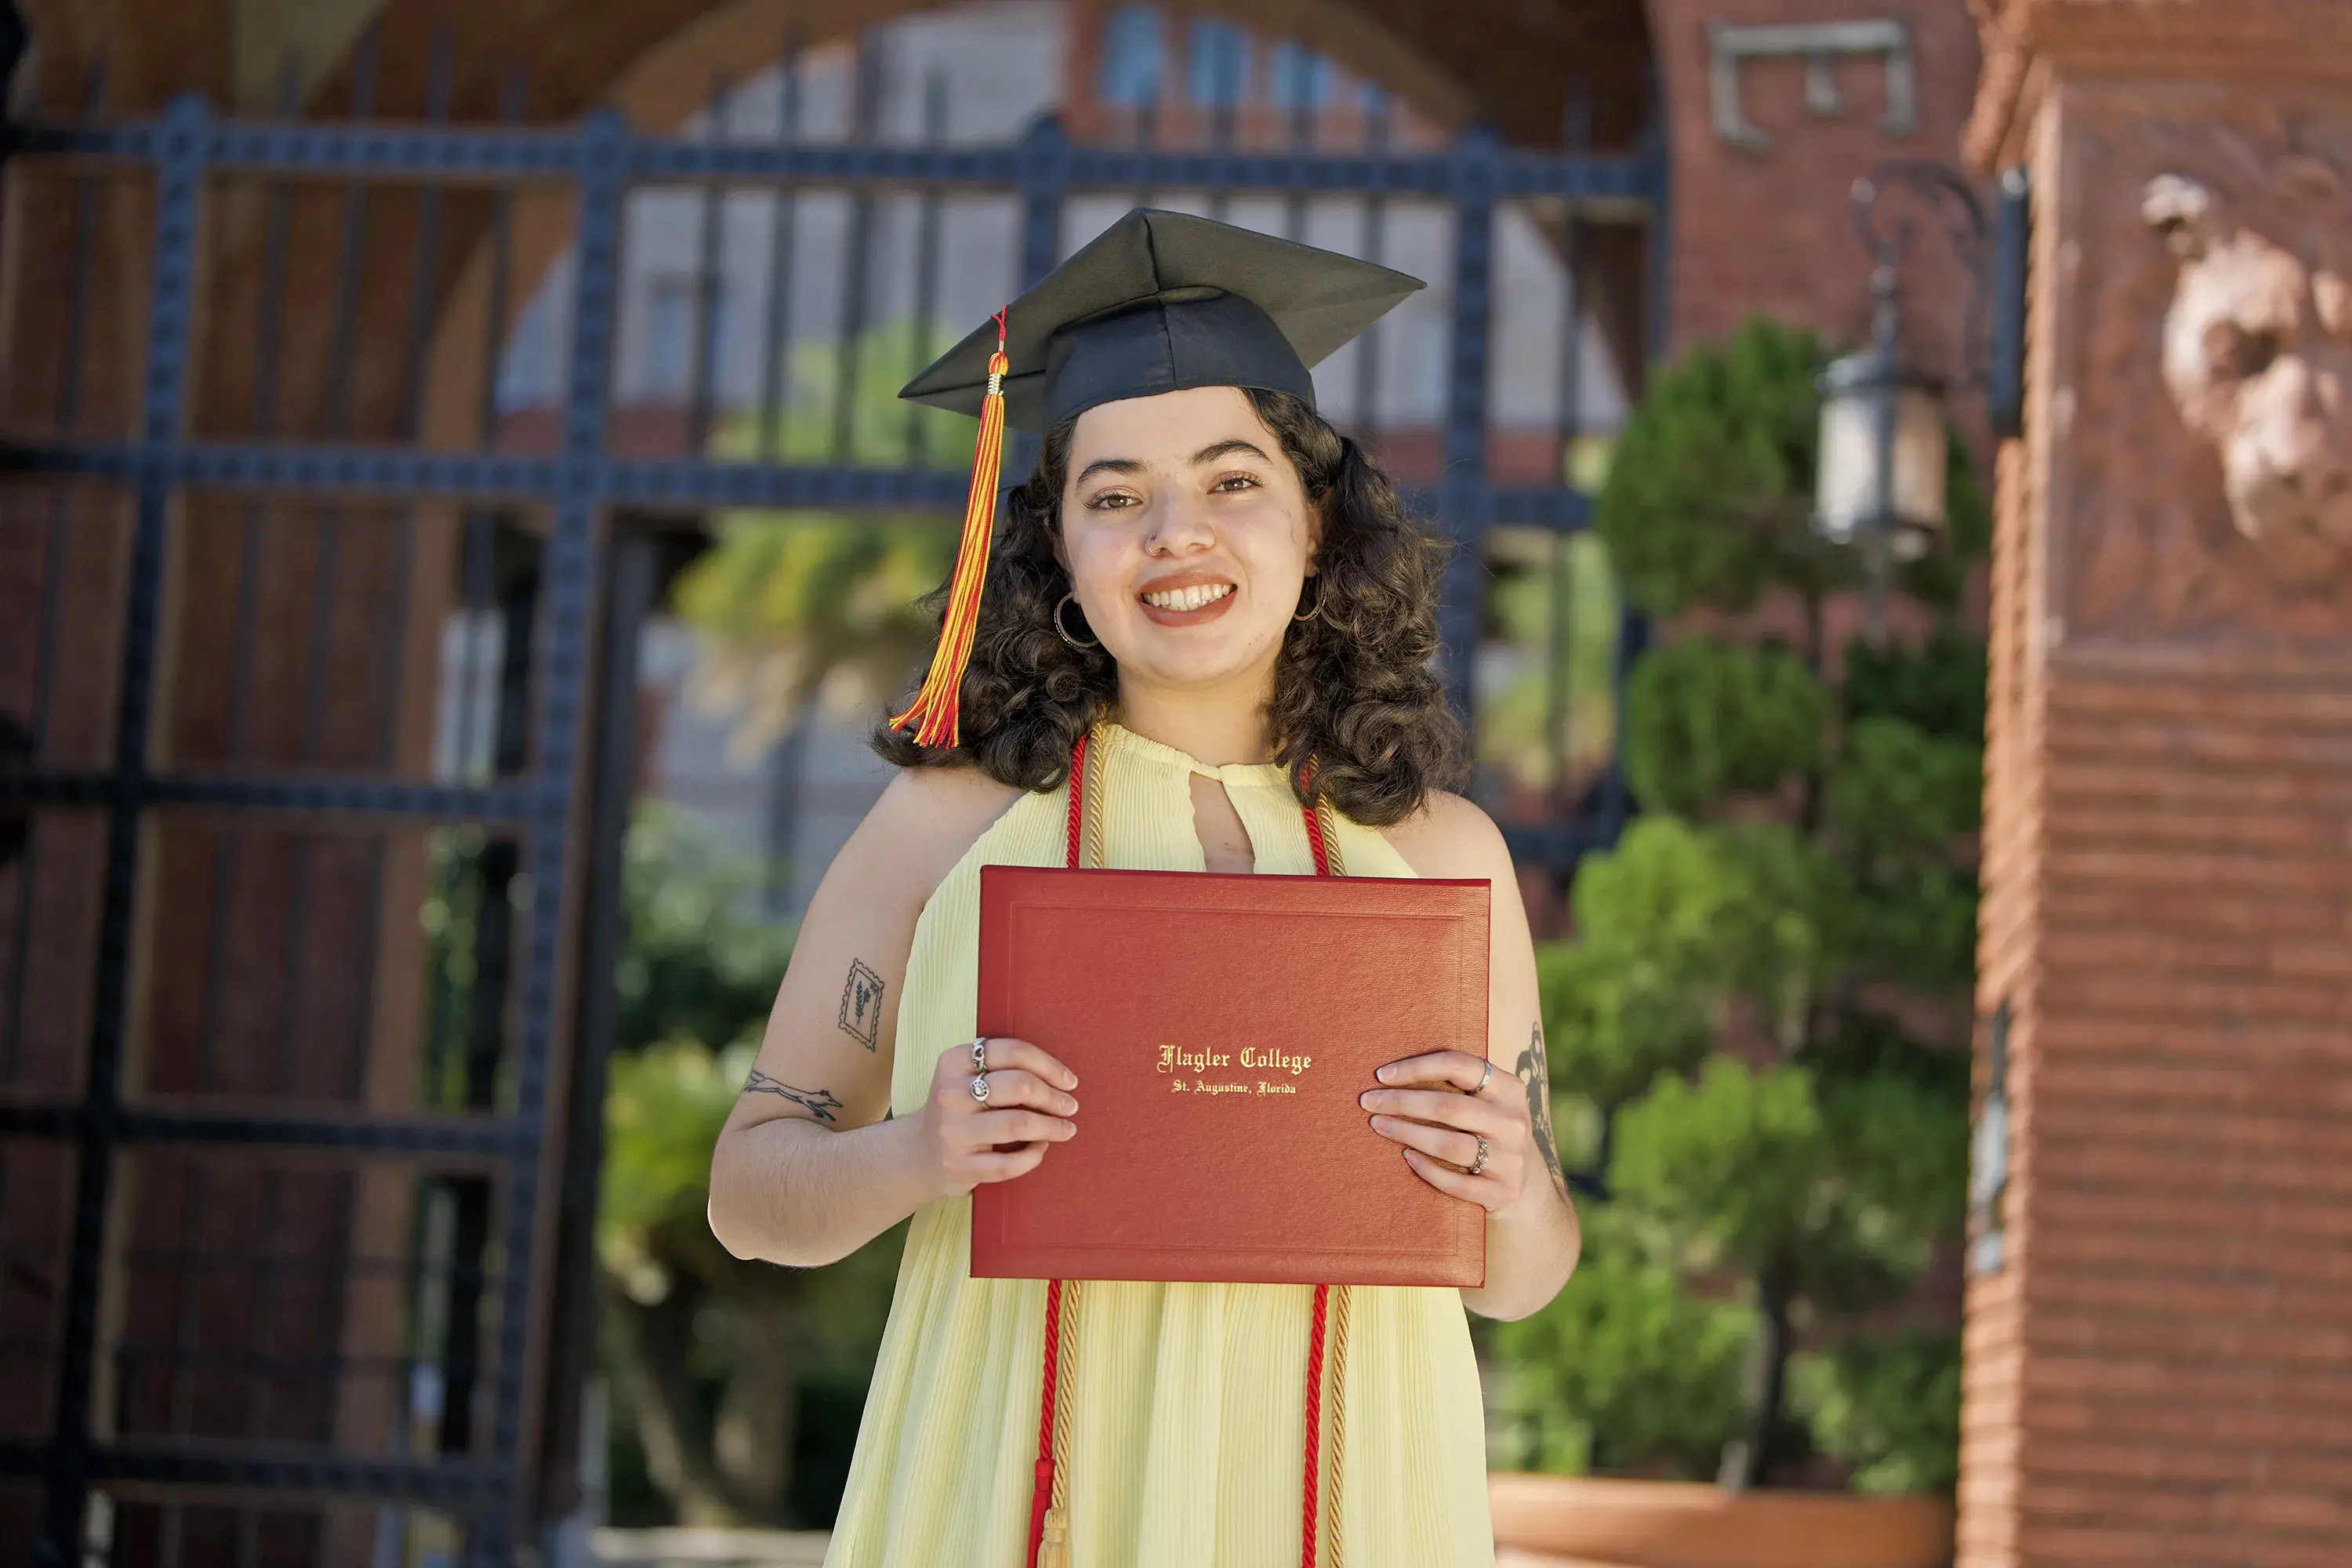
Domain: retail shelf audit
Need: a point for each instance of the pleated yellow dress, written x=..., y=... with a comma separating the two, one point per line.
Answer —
x=1186, y=1401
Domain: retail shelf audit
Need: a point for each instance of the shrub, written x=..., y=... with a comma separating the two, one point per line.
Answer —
x=1763, y=1009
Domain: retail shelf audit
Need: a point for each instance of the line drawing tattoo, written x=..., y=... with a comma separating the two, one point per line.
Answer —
x=818, y=1102
x=861, y=1004
x=1536, y=1073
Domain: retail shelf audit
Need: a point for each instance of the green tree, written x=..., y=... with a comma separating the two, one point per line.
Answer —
x=718, y=1360
x=1763, y=1013
x=694, y=964
x=1547, y=723
x=737, y=1382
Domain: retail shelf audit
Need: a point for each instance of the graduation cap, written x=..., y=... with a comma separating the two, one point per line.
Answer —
x=1158, y=303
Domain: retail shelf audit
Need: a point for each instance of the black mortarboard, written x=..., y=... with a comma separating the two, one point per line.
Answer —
x=1159, y=301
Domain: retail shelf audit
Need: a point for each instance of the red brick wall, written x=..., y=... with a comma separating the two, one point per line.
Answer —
x=2164, y=1372
x=2161, y=1370
x=1770, y=232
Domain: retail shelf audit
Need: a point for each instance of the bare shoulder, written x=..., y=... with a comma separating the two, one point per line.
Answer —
x=922, y=823
x=1450, y=837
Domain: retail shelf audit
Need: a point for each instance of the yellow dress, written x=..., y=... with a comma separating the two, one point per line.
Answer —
x=1186, y=1412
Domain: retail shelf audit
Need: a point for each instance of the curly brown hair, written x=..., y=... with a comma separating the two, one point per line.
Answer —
x=1353, y=689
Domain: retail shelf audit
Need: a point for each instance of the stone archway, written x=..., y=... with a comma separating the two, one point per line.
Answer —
x=670, y=82
x=1511, y=65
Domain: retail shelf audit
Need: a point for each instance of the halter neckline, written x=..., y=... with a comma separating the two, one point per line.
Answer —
x=1266, y=775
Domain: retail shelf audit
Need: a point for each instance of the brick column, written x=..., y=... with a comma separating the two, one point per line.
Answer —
x=2159, y=1365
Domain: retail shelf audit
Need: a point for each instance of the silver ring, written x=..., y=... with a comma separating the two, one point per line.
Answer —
x=1479, y=1165
x=1484, y=1076
x=979, y=1086
x=980, y=1054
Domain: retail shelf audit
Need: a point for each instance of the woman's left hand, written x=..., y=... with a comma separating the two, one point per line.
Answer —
x=1434, y=1106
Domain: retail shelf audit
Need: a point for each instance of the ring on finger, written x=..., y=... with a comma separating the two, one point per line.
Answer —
x=979, y=1086
x=1478, y=1166
x=1484, y=1076
x=980, y=1054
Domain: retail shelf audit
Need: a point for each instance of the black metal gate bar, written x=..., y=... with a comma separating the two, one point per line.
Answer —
x=1463, y=509
x=601, y=160
x=67, y=412
x=706, y=293
x=172, y=291
x=857, y=262
x=269, y=330
x=679, y=482
x=927, y=272
x=783, y=241
x=632, y=574
x=1044, y=167
x=569, y=574
x=352, y=798
x=1372, y=245
x=457, y=1137
x=1559, y=716
x=1613, y=184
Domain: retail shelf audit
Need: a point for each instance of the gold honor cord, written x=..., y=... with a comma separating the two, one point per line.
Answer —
x=1054, y=1547
x=1329, y=820
x=1334, y=1516
x=1093, y=804
x=1335, y=1523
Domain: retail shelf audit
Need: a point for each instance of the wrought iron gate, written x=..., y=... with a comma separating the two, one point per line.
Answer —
x=523, y=826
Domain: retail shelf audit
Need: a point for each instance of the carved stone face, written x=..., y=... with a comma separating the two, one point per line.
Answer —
x=2257, y=357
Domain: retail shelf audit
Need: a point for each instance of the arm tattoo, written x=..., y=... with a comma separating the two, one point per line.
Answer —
x=861, y=1004
x=818, y=1102
x=1536, y=1073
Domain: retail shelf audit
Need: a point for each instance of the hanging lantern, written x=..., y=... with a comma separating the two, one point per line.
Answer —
x=1883, y=457
x=1883, y=460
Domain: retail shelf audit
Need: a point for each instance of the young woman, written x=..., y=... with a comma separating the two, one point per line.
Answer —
x=1223, y=597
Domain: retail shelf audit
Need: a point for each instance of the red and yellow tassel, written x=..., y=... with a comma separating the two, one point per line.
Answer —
x=936, y=705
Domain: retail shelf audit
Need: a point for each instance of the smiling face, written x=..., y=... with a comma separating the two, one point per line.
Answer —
x=1188, y=537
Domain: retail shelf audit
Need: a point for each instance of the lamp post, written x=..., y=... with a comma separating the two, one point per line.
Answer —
x=1880, y=488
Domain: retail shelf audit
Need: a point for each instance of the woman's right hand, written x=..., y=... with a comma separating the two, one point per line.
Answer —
x=964, y=1141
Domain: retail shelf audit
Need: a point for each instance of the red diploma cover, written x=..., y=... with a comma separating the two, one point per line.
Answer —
x=1222, y=1027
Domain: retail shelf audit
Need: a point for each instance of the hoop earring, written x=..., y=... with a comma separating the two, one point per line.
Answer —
x=1063, y=631
x=1315, y=611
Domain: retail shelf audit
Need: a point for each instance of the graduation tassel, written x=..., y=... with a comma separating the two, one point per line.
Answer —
x=1054, y=1550
x=936, y=705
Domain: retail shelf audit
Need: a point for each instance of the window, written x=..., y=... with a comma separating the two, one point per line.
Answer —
x=1220, y=62
x=530, y=367
x=1134, y=49
x=669, y=340
x=1302, y=79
